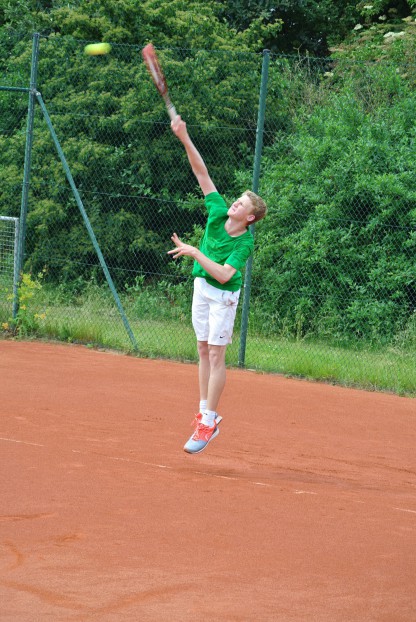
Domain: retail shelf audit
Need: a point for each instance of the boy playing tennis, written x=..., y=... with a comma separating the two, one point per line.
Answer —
x=225, y=247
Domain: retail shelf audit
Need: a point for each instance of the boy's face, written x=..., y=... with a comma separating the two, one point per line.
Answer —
x=242, y=209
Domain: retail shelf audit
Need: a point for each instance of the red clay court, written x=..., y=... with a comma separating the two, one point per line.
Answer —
x=302, y=510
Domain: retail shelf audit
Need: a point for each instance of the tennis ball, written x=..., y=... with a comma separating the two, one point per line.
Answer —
x=95, y=49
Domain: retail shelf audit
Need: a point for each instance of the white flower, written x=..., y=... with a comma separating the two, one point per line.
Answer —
x=394, y=35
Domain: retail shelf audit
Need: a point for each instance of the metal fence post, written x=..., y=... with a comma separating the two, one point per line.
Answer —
x=27, y=164
x=87, y=223
x=255, y=186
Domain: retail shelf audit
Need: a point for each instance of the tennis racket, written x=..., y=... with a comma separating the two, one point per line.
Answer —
x=155, y=70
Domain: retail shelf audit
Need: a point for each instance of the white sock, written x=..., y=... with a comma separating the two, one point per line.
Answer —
x=202, y=406
x=208, y=417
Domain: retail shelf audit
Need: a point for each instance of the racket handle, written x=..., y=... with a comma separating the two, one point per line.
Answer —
x=171, y=111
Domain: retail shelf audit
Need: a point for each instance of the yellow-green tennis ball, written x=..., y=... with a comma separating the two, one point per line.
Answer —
x=95, y=49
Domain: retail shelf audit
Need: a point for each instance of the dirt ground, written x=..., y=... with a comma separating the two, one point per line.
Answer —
x=303, y=509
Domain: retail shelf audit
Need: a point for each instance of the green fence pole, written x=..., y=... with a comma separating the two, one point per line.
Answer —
x=26, y=169
x=256, y=177
x=87, y=222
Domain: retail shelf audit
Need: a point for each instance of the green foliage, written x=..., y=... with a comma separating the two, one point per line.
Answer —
x=304, y=27
x=337, y=251
x=282, y=26
x=173, y=23
x=383, y=32
x=161, y=300
x=28, y=320
x=334, y=258
x=113, y=130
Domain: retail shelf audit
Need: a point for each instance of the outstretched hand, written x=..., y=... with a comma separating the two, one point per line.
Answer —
x=179, y=128
x=181, y=248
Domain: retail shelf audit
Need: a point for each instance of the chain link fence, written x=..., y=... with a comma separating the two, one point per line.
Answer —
x=100, y=183
x=9, y=271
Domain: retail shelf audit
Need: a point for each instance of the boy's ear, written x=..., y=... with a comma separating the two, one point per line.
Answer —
x=251, y=217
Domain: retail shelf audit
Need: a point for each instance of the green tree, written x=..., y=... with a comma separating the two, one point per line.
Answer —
x=336, y=255
x=184, y=23
x=312, y=26
x=307, y=27
x=113, y=128
x=339, y=151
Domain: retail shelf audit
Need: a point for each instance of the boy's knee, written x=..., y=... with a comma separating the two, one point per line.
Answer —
x=217, y=355
x=203, y=349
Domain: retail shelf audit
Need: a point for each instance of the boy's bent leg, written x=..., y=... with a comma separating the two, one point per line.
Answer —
x=204, y=374
x=217, y=375
x=203, y=369
x=203, y=433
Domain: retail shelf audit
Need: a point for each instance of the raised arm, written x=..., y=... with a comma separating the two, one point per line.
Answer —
x=195, y=159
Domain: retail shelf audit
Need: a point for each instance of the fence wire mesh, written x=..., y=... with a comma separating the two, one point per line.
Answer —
x=9, y=232
x=334, y=270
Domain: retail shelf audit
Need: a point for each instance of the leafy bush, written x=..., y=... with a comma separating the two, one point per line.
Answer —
x=336, y=255
x=28, y=319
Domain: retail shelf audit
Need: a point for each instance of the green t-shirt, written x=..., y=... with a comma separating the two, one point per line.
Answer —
x=221, y=247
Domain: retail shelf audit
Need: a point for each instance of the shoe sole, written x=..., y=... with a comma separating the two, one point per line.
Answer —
x=214, y=435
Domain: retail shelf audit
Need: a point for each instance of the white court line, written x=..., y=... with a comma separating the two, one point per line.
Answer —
x=165, y=466
x=204, y=473
x=152, y=464
x=304, y=492
x=158, y=466
x=233, y=479
x=15, y=440
x=404, y=510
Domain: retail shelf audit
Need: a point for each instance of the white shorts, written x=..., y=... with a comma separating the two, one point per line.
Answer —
x=213, y=313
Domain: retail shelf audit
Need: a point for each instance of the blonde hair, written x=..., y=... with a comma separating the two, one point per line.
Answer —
x=259, y=206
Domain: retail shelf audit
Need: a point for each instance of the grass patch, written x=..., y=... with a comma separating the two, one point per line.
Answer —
x=383, y=370
x=164, y=330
